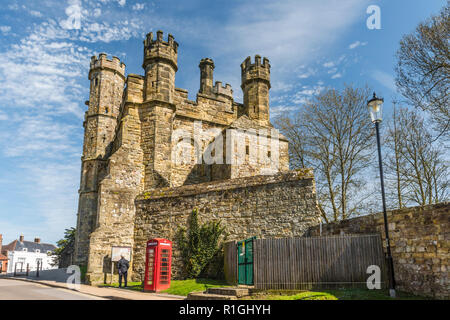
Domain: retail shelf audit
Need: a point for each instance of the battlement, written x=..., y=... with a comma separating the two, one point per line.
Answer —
x=224, y=90
x=255, y=71
x=158, y=49
x=102, y=63
x=206, y=61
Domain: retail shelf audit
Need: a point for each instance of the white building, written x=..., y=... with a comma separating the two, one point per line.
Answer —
x=23, y=254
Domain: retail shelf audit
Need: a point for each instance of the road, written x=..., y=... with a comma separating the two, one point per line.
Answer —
x=22, y=290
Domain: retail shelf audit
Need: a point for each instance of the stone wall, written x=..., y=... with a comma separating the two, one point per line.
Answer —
x=275, y=206
x=420, y=242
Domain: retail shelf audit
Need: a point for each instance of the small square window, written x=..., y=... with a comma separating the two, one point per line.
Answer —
x=25, y=249
x=37, y=251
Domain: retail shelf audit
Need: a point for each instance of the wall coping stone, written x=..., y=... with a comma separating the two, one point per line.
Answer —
x=222, y=185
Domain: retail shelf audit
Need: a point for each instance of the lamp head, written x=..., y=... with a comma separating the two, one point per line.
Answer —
x=375, y=106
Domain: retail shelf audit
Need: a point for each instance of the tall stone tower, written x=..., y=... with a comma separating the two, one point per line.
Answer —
x=255, y=85
x=160, y=64
x=106, y=89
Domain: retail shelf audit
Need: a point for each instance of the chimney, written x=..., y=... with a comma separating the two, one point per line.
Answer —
x=37, y=240
x=21, y=238
x=1, y=242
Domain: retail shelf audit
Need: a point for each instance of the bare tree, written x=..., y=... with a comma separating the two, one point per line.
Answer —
x=423, y=68
x=416, y=162
x=293, y=131
x=332, y=133
x=394, y=160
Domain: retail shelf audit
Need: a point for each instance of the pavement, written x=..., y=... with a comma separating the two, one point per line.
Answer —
x=22, y=288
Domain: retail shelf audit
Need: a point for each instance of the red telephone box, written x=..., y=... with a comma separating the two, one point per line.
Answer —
x=158, y=264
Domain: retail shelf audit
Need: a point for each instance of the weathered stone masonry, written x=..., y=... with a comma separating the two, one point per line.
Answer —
x=131, y=145
x=276, y=206
x=420, y=241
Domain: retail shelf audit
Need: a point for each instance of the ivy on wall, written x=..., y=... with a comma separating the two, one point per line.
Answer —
x=199, y=245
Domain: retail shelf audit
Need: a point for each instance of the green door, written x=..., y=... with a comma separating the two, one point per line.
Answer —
x=245, y=261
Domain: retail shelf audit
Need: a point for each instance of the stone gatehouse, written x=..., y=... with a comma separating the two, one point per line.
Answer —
x=144, y=136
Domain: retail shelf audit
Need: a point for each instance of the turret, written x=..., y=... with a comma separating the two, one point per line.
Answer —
x=206, y=75
x=256, y=85
x=107, y=82
x=160, y=65
x=107, y=78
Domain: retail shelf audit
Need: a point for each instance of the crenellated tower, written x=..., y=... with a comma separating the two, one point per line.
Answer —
x=160, y=65
x=107, y=83
x=255, y=85
x=107, y=79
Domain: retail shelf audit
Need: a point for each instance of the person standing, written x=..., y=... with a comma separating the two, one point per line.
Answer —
x=122, y=267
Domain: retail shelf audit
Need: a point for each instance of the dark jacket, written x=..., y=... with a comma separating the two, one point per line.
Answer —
x=123, y=265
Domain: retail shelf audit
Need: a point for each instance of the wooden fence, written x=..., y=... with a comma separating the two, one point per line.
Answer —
x=311, y=262
x=231, y=262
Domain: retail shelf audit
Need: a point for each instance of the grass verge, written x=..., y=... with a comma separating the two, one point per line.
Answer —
x=178, y=287
x=337, y=294
x=184, y=287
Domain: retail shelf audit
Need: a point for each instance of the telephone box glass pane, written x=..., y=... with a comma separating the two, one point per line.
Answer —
x=164, y=275
x=151, y=259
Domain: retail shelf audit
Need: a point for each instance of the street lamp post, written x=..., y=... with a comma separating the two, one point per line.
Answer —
x=375, y=106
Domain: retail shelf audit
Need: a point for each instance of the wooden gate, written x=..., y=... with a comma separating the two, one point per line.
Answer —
x=306, y=263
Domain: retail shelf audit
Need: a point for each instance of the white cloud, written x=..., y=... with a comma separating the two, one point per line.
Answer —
x=279, y=110
x=138, y=6
x=35, y=13
x=53, y=188
x=13, y=6
x=122, y=2
x=356, y=44
x=5, y=29
x=97, y=12
x=43, y=74
x=281, y=86
x=307, y=92
x=384, y=78
x=303, y=73
x=336, y=75
x=33, y=135
x=289, y=33
x=332, y=70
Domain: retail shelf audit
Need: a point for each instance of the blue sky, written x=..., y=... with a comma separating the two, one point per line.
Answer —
x=44, y=64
